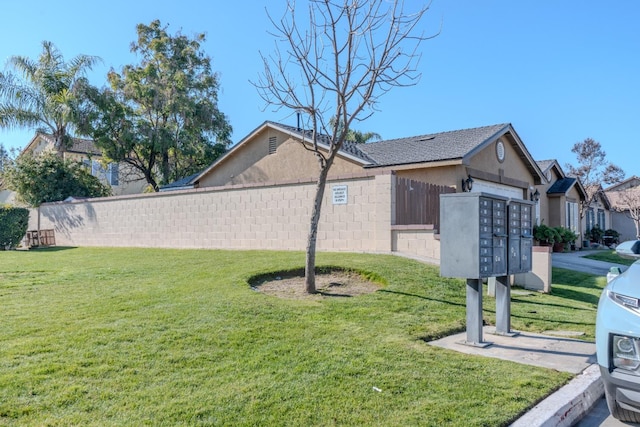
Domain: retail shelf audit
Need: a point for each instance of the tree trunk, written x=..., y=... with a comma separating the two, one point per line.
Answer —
x=310, y=265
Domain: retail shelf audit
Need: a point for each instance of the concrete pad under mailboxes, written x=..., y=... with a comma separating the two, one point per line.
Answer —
x=553, y=352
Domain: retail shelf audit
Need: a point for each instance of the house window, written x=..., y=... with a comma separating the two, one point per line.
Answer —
x=112, y=174
x=601, y=223
x=108, y=174
x=572, y=216
x=590, y=219
x=272, y=145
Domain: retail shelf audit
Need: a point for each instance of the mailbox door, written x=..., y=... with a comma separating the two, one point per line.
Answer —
x=520, y=237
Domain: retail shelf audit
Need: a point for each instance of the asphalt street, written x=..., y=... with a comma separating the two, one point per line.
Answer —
x=576, y=261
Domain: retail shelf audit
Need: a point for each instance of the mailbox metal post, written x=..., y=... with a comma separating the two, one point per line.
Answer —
x=503, y=307
x=474, y=314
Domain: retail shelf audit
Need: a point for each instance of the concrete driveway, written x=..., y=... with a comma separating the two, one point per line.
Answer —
x=576, y=261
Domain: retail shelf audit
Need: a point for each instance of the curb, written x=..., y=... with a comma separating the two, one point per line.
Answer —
x=567, y=405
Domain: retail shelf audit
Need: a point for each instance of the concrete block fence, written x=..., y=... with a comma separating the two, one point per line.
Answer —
x=357, y=215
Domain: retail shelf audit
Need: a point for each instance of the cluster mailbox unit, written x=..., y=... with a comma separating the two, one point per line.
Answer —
x=482, y=236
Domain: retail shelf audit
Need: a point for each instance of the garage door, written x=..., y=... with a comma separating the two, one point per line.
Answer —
x=498, y=189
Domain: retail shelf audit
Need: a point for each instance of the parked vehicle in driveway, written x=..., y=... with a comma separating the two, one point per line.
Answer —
x=618, y=337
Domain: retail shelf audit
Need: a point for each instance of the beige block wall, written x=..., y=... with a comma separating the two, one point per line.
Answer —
x=539, y=278
x=233, y=217
x=416, y=240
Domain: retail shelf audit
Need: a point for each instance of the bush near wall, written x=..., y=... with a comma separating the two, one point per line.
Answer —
x=13, y=226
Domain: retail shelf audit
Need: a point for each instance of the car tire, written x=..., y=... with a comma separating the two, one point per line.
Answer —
x=620, y=413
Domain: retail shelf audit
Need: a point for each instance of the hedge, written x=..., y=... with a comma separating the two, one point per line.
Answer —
x=13, y=226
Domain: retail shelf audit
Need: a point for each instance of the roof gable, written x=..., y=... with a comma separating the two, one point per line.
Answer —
x=633, y=181
x=78, y=145
x=548, y=167
x=432, y=147
x=458, y=145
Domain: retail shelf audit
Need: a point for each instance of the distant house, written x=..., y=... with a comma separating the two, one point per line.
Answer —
x=621, y=195
x=560, y=198
x=118, y=176
x=598, y=213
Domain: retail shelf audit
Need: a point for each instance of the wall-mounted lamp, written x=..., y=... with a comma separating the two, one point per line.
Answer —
x=467, y=184
x=535, y=196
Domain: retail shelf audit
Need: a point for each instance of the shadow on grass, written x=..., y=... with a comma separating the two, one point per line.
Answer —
x=50, y=249
x=551, y=320
x=422, y=297
x=546, y=304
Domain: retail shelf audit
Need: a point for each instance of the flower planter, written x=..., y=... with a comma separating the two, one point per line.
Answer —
x=558, y=247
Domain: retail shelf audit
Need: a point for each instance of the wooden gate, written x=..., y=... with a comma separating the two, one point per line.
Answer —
x=419, y=202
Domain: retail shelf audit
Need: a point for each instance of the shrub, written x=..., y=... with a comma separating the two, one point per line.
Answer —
x=595, y=234
x=612, y=234
x=545, y=235
x=13, y=226
x=566, y=234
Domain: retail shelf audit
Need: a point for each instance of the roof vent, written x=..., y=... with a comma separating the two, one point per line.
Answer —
x=272, y=145
x=428, y=138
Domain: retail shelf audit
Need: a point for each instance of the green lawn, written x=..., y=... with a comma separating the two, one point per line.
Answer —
x=610, y=256
x=100, y=337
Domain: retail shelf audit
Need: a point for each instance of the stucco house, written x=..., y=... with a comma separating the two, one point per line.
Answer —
x=493, y=157
x=118, y=176
x=625, y=203
x=559, y=197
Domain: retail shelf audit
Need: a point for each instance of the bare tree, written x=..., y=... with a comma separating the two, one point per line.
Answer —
x=628, y=202
x=338, y=66
x=593, y=170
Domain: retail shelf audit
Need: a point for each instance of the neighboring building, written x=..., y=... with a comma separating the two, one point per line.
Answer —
x=492, y=158
x=118, y=176
x=621, y=196
x=560, y=197
x=598, y=213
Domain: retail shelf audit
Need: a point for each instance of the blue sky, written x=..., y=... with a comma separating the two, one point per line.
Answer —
x=559, y=71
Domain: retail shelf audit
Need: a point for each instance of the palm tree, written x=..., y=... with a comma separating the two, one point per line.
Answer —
x=357, y=136
x=362, y=137
x=46, y=98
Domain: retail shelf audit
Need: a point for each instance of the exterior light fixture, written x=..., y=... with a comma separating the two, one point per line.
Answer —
x=467, y=184
x=535, y=196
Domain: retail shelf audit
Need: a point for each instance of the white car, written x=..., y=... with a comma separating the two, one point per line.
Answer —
x=618, y=337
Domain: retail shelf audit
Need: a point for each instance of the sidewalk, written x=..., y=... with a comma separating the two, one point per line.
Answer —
x=567, y=405
x=572, y=402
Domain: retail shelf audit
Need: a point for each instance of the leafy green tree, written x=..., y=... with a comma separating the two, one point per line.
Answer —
x=49, y=178
x=4, y=159
x=13, y=226
x=161, y=116
x=44, y=95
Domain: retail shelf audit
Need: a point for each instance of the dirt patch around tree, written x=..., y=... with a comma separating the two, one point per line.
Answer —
x=333, y=284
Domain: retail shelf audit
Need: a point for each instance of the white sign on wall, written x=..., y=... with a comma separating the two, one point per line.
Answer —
x=339, y=194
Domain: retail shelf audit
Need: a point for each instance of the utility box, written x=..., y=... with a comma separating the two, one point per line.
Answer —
x=473, y=235
x=484, y=235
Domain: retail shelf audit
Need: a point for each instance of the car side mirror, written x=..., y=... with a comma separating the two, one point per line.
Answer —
x=629, y=249
x=613, y=273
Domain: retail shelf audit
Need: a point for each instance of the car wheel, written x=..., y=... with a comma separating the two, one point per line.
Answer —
x=620, y=413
